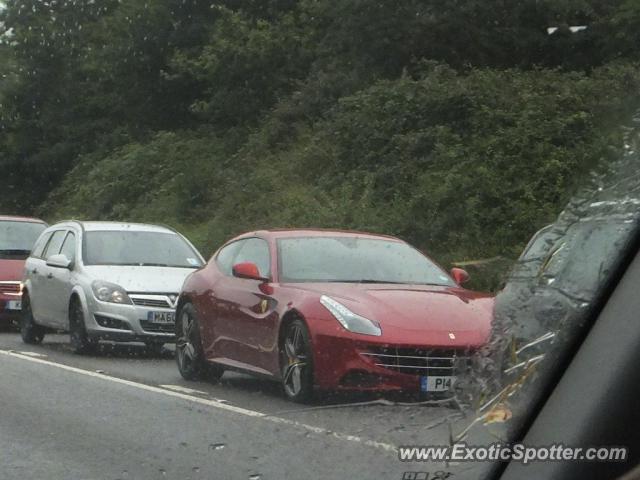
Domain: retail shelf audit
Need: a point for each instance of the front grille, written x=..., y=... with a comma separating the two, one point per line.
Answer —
x=157, y=327
x=145, y=302
x=419, y=361
x=154, y=300
x=10, y=288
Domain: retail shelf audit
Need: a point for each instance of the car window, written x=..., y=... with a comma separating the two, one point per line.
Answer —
x=226, y=256
x=40, y=245
x=17, y=238
x=255, y=250
x=354, y=259
x=69, y=247
x=53, y=247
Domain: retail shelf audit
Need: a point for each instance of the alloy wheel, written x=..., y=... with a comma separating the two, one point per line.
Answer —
x=185, y=343
x=296, y=377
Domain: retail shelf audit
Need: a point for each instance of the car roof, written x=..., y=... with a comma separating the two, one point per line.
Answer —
x=116, y=226
x=11, y=218
x=314, y=232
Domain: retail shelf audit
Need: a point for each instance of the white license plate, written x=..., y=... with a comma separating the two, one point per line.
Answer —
x=433, y=383
x=14, y=305
x=161, y=317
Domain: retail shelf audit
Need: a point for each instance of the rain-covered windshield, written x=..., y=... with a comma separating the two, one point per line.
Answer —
x=17, y=238
x=354, y=259
x=151, y=249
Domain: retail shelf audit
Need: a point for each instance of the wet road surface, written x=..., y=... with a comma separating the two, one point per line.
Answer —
x=126, y=413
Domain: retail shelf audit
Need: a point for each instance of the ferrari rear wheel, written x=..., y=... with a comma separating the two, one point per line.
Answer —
x=296, y=362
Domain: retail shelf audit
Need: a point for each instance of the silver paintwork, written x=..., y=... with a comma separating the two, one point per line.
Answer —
x=151, y=289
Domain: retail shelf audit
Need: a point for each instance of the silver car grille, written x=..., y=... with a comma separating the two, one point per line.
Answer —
x=155, y=300
x=419, y=361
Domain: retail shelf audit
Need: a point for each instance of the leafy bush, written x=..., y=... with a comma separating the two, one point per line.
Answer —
x=463, y=165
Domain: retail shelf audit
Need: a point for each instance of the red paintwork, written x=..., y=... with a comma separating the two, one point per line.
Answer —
x=12, y=270
x=236, y=333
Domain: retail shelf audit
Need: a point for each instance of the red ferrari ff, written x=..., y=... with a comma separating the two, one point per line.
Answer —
x=333, y=310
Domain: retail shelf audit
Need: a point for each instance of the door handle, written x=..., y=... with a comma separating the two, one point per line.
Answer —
x=50, y=276
x=34, y=271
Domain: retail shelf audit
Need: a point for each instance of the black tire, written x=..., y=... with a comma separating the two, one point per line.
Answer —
x=296, y=362
x=31, y=332
x=190, y=358
x=81, y=343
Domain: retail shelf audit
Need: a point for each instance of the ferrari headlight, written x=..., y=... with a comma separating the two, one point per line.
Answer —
x=349, y=320
x=110, y=292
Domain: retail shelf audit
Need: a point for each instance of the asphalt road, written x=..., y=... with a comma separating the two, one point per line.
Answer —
x=124, y=413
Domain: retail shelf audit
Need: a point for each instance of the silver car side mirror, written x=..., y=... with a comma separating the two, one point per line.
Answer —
x=59, y=261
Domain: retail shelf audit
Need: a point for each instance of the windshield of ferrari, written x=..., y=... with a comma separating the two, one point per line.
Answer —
x=150, y=249
x=356, y=260
x=17, y=238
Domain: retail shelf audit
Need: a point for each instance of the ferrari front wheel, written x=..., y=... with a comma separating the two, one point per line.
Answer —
x=296, y=362
x=190, y=357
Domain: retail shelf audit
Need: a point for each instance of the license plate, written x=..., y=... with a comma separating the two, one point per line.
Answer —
x=161, y=317
x=436, y=383
x=14, y=305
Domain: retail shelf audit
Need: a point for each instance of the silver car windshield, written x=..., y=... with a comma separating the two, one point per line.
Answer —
x=153, y=249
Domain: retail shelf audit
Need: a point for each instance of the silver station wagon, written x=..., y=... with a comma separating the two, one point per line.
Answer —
x=105, y=281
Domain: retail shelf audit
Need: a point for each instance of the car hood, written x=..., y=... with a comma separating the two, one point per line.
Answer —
x=418, y=314
x=11, y=270
x=141, y=279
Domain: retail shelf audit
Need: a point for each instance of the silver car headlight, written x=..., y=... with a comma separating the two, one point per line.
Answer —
x=351, y=321
x=110, y=292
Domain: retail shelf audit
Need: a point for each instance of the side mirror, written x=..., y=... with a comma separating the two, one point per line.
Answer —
x=459, y=275
x=59, y=261
x=247, y=270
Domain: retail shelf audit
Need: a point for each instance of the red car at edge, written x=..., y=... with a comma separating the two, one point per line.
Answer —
x=17, y=236
x=329, y=310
